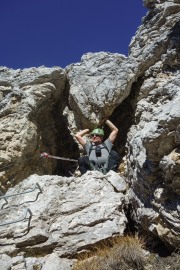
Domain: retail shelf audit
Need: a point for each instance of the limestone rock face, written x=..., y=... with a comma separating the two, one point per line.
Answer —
x=153, y=140
x=41, y=109
x=27, y=103
x=66, y=216
x=97, y=85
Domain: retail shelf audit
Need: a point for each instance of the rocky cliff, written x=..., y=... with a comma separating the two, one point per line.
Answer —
x=41, y=109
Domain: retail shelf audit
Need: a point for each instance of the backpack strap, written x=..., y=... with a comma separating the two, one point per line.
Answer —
x=105, y=146
x=94, y=147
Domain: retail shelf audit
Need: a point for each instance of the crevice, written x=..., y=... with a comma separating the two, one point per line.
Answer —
x=131, y=226
x=38, y=251
x=152, y=243
x=54, y=137
x=155, y=245
x=124, y=117
x=65, y=145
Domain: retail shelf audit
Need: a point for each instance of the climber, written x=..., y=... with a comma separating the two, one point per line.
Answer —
x=100, y=155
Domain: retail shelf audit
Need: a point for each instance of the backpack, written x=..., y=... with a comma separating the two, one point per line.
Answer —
x=112, y=162
x=97, y=147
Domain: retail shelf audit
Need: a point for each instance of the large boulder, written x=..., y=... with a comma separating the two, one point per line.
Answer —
x=97, y=85
x=61, y=215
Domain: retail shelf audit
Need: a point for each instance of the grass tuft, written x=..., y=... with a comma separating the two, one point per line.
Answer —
x=123, y=253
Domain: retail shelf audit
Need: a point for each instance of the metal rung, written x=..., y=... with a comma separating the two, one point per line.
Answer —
x=21, y=219
x=3, y=197
x=11, y=195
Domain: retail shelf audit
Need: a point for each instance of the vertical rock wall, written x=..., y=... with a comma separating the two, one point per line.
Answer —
x=28, y=101
x=153, y=144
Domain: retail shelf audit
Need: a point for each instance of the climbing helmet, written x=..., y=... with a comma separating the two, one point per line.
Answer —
x=98, y=131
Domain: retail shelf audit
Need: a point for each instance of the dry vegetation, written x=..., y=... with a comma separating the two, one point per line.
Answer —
x=118, y=253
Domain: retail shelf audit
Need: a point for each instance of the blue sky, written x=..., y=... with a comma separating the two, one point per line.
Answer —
x=59, y=32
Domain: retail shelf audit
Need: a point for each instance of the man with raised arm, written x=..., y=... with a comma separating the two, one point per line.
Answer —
x=100, y=155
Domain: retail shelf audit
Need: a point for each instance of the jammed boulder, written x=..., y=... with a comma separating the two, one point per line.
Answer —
x=97, y=85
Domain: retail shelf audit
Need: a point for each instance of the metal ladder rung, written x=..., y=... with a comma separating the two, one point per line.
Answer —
x=1, y=197
x=21, y=219
x=11, y=195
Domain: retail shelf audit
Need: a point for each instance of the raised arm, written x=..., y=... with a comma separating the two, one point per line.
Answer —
x=114, y=130
x=79, y=136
